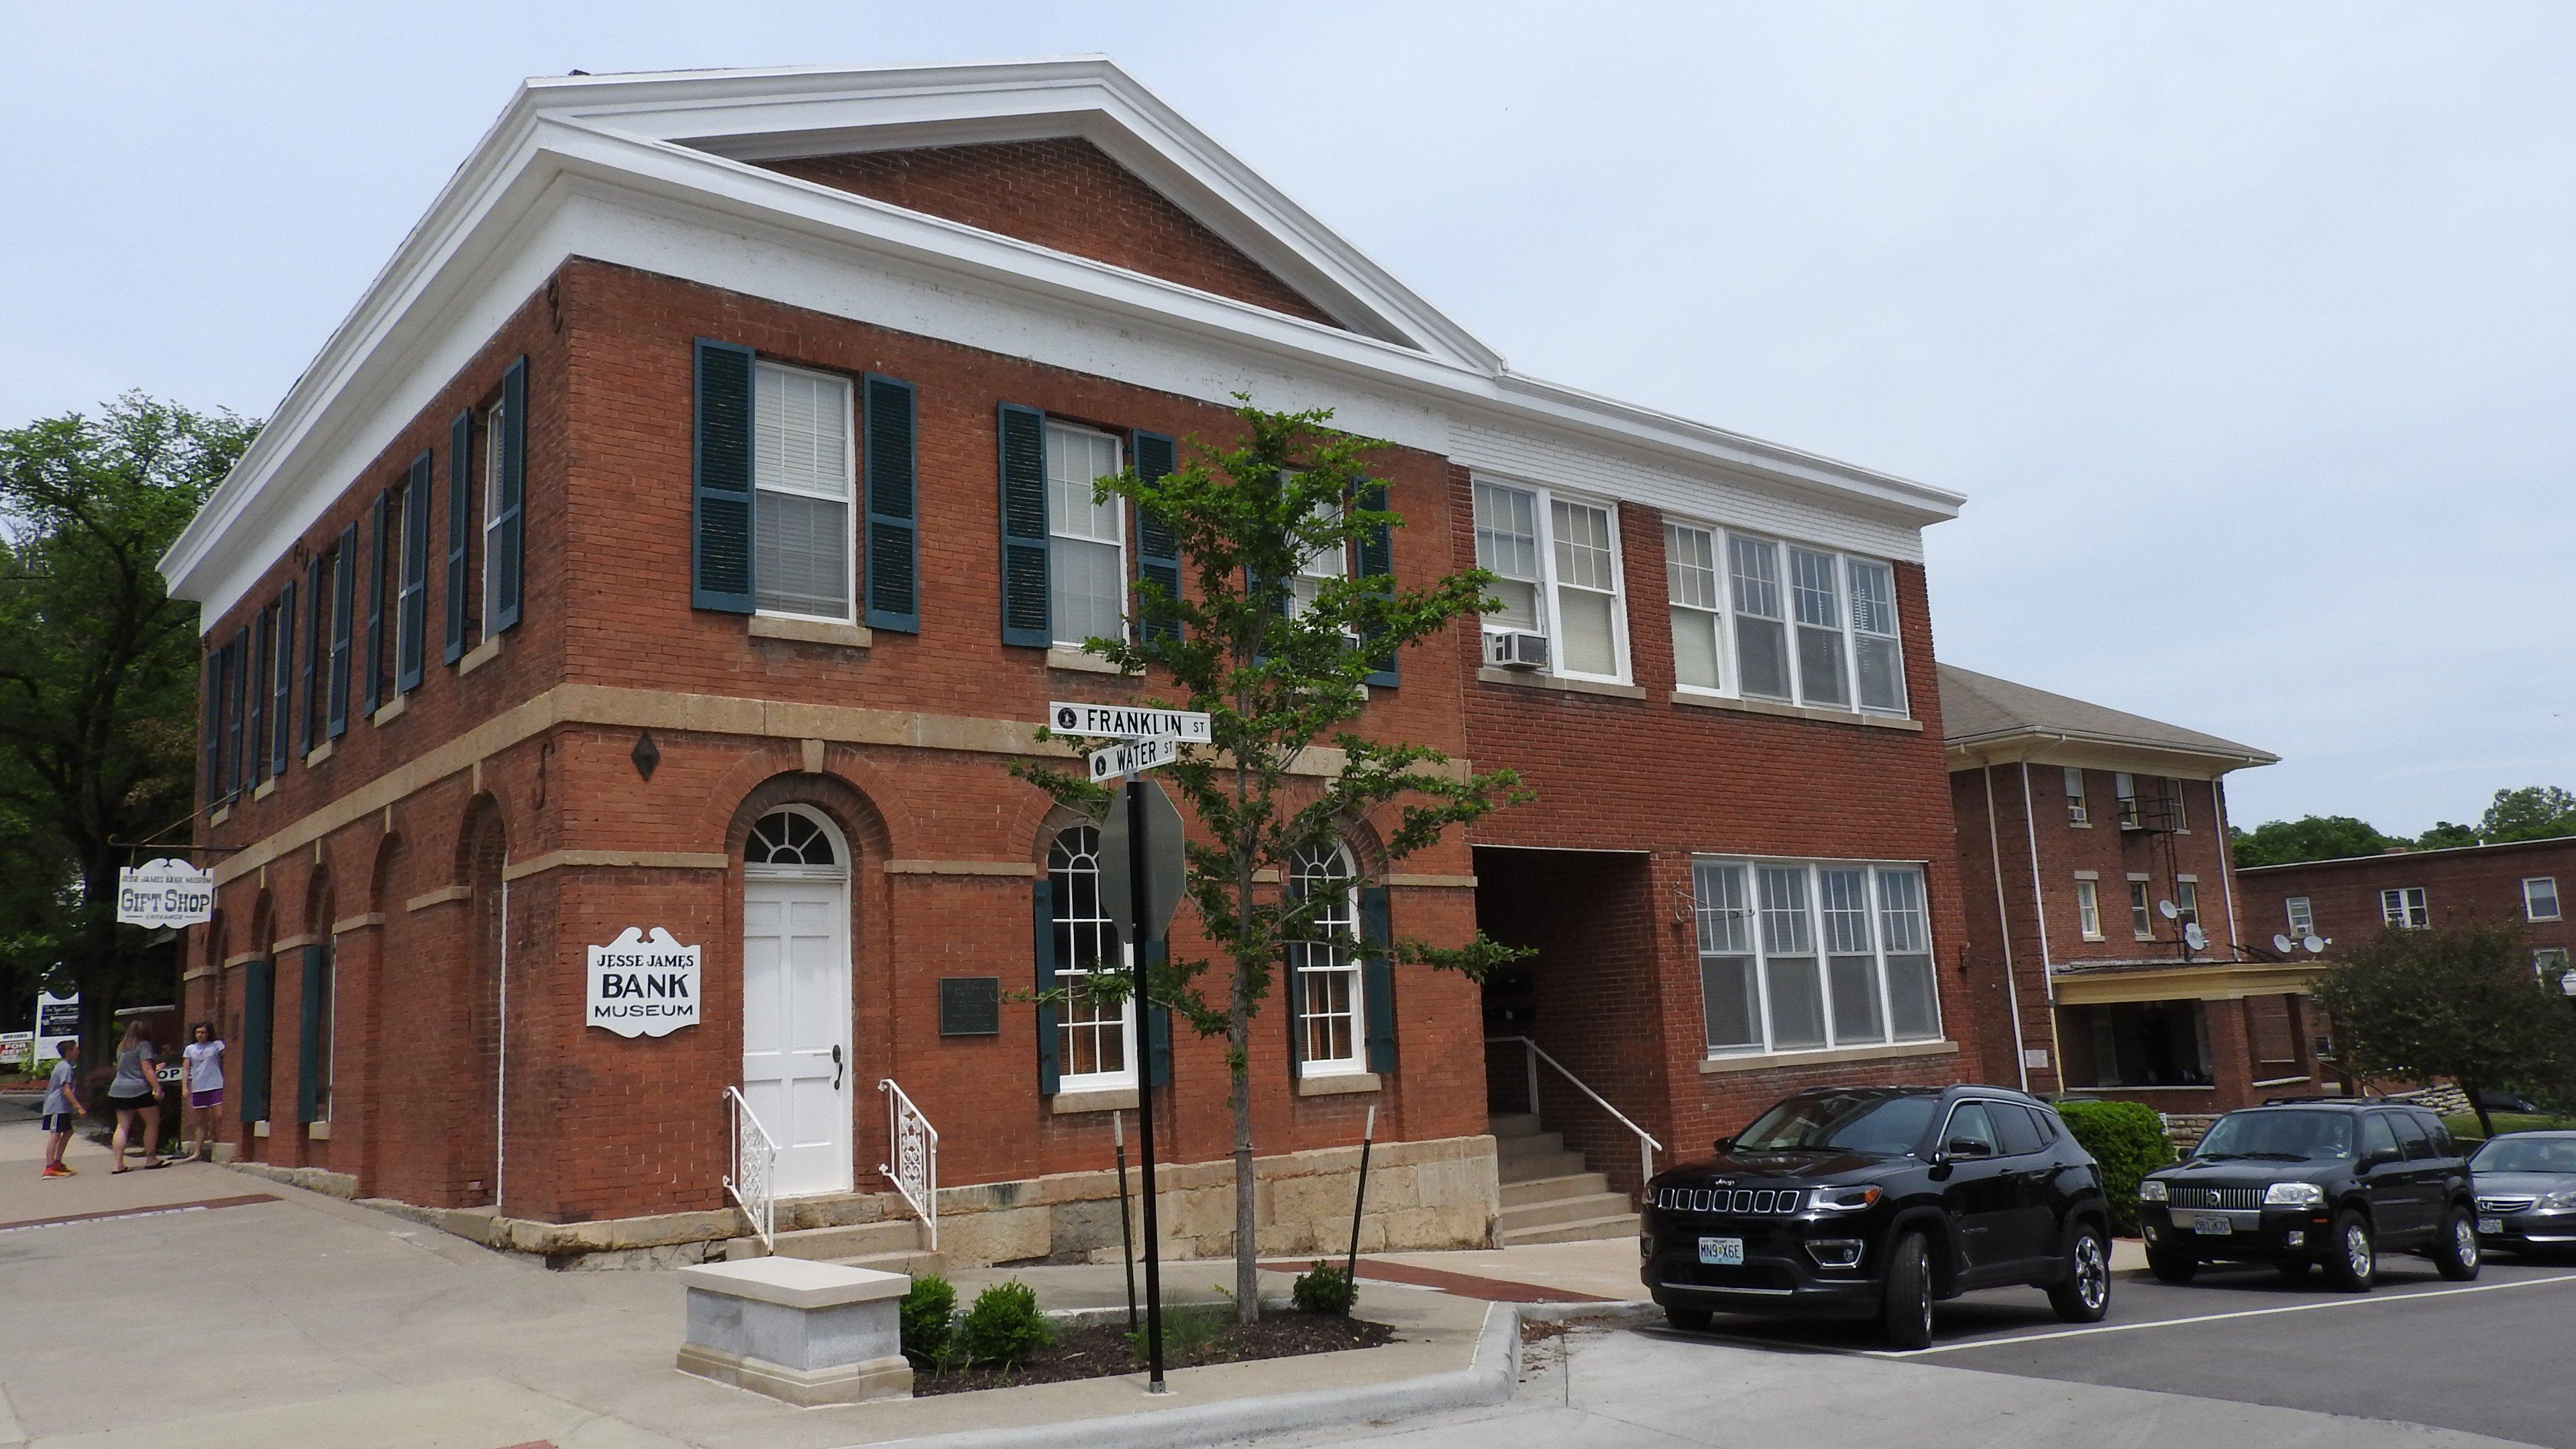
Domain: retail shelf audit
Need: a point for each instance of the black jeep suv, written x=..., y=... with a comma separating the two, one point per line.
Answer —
x=1872, y=1202
x=2313, y=1182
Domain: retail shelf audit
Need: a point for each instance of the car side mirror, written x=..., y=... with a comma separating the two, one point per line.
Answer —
x=1968, y=1147
x=1721, y=1144
x=2379, y=1156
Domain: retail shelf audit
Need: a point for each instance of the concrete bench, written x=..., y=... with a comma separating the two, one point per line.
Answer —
x=809, y=1333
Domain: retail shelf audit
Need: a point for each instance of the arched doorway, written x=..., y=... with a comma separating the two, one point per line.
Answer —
x=796, y=1069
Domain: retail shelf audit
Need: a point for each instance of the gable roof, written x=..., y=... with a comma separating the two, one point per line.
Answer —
x=1981, y=712
x=592, y=165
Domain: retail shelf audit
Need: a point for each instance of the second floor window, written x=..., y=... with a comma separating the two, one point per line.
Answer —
x=1086, y=537
x=2076, y=811
x=1699, y=616
x=2186, y=903
x=2303, y=921
x=2540, y=898
x=2088, y=909
x=2142, y=911
x=2125, y=786
x=2404, y=907
x=805, y=470
x=1813, y=627
x=1556, y=567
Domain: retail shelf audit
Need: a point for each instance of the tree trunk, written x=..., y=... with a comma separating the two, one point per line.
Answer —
x=2477, y=1104
x=1238, y=1043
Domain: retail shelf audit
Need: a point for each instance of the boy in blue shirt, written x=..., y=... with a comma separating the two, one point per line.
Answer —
x=62, y=1108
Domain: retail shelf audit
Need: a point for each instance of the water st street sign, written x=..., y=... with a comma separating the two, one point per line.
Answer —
x=1134, y=757
x=1118, y=721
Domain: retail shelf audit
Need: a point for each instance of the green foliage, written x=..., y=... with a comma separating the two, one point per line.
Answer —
x=98, y=679
x=2128, y=1140
x=2534, y=812
x=1280, y=675
x=2447, y=835
x=2310, y=837
x=1188, y=1328
x=2460, y=1003
x=1324, y=1289
x=929, y=1319
x=2466, y=1127
x=1004, y=1328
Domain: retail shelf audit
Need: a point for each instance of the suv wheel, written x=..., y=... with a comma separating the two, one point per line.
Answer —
x=1906, y=1316
x=2352, y=1256
x=1688, y=1320
x=2455, y=1251
x=2082, y=1292
x=2171, y=1267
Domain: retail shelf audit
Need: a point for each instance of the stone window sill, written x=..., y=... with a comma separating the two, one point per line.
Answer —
x=266, y=788
x=1799, y=711
x=1774, y=1060
x=811, y=631
x=1336, y=1084
x=318, y=754
x=1533, y=679
x=317, y=1131
x=219, y=816
x=1105, y=1099
x=1080, y=660
x=2297, y=1081
x=478, y=656
x=259, y=1128
x=392, y=711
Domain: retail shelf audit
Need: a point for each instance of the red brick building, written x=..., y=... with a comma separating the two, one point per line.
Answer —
x=2520, y=883
x=2094, y=848
x=685, y=533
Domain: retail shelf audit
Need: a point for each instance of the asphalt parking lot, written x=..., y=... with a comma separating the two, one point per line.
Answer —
x=2495, y=1357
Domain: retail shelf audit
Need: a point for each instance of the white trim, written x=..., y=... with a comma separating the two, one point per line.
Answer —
x=2557, y=906
x=1758, y=953
x=1551, y=614
x=851, y=504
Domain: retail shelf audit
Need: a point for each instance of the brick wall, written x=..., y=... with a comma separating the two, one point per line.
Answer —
x=2474, y=884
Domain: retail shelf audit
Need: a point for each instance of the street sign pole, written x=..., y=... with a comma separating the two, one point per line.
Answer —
x=1140, y=908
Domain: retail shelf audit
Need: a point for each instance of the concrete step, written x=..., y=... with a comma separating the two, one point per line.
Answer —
x=1535, y=1144
x=837, y=1245
x=1538, y=1169
x=1513, y=1124
x=1529, y=1190
x=919, y=1262
x=1586, y=1208
x=1620, y=1225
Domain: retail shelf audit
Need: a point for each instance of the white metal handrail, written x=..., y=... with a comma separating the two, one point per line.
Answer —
x=914, y=1144
x=753, y=1183
x=1647, y=1146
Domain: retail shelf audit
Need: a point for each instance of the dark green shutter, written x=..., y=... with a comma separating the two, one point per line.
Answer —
x=506, y=554
x=1042, y=928
x=1377, y=561
x=237, y=694
x=1025, y=616
x=282, y=728
x=259, y=1004
x=894, y=506
x=379, y=516
x=255, y=759
x=460, y=528
x=211, y=681
x=1377, y=979
x=317, y=608
x=308, y=1046
x=411, y=606
x=1158, y=549
x=720, y=575
x=344, y=597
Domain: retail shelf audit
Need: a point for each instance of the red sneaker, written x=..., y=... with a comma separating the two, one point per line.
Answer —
x=56, y=1169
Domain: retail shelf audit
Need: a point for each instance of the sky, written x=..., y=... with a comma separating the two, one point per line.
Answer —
x=2249, y=332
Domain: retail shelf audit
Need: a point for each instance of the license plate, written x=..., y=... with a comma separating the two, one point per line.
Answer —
x=1722, y=1252
x=2491, y=1226
x=2213, y=1225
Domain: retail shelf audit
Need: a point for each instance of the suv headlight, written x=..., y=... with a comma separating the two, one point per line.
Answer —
x=2151, y=1190
x=1842, y=1199
x=2294, y=1194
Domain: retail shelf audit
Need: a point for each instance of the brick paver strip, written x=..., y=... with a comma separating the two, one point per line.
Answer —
x=1457, y=1285
x=245, y=1200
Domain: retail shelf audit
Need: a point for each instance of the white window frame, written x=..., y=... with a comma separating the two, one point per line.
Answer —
x=2186, y=901
x=1730, y=667
x=1068, y=1080
x=1818, y=952
x=848, y=499
x=2531, y=906
x=2181, y=808
x=1721, y=616
x=2405, y=907
x=1341, y=957
x=2544, y=957
x=1126, y=564
x=2079, y=810
x=2088, y=909
x=2124, y=788
x=1551, y=614
x=2142, y=908
x=2302, y=916
x=493, y=443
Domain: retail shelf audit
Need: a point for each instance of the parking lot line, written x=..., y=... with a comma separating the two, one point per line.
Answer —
x=2357, y=1301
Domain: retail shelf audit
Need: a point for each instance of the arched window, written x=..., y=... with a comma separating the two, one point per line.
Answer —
x=1325, y=971
x=793, y=838
x=1095, y=1036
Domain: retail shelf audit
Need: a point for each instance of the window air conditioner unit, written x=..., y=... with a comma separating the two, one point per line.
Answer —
x=1515, y=649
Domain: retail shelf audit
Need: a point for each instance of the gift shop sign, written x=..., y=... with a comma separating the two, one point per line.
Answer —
x=644, y=984
x=165, y=893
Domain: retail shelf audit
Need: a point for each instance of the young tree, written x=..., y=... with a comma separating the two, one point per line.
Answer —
x=2462, y=1003
x=1279, y=660
x=98, y=675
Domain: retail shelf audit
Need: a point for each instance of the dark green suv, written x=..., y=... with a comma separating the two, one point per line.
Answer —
x=2314, y=1183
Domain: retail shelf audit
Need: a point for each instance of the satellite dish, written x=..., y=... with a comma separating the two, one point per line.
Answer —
x=2166, y=910
x=2194, y=937
x=2315, y=943
x=2281, y=944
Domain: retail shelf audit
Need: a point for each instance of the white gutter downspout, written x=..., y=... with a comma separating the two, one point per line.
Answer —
x=2039, y=907
x=2227, y=867
x=2003, y=929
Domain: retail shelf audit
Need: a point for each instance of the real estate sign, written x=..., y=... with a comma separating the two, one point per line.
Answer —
x=644, y=984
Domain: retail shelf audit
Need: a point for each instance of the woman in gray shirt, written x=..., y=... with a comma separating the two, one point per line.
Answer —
x=136, y=1092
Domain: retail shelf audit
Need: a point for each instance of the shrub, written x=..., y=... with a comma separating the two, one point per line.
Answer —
x=2129, y=1140
x=1324, y=1289
x=1004, y=1327
x=929, y=1316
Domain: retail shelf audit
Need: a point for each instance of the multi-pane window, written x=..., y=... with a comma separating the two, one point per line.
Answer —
x=1815, y=598
x=1556, y=567
x=1095, y=1034
x=1699, y=613
x=496, y=436
x=1761, y=617
x=2404, y=906
x=2088, y=909
x=2077, y=813
x=2303, y=920
x=1797, y=956
x=2173, y=796
x=2186, y=902
x=1798, y=637
x=1878, y=660
x=804, y=466
x=2142, y=912
x=1325, y=968
x=2540, y=898
x=2549, y=961
x=1087, y=537
x=2125, y=786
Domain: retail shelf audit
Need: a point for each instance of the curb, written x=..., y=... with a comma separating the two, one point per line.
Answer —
x=1485, y=1381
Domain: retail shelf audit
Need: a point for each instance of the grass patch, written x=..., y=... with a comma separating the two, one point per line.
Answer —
x=2464, y=1125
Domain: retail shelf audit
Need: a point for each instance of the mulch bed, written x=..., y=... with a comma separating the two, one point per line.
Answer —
x=1101, y=1350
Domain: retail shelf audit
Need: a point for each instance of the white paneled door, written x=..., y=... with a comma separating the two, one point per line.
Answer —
x=796, y=1068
